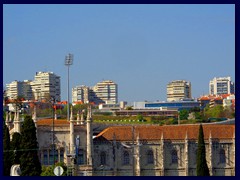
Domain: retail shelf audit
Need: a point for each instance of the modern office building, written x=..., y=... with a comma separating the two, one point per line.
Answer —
x=107, y=91
x=19, y=89
x=46, y=85
x=179, y=89
x=221, y=85
x=174, y=105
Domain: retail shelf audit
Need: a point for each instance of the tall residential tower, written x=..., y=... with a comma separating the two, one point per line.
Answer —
x=221, y=85
x=179, y=89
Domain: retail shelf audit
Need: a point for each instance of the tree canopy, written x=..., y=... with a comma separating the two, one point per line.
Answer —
x=29, y=161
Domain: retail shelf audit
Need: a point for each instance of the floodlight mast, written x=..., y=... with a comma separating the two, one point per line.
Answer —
x=68, y=62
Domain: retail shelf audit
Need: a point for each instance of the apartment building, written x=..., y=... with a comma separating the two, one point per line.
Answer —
x=83, y=94
x=221, y=85
x=179, y=89
x=107, y=91
x=46, y=85
x=103, y=92
x=19, y=89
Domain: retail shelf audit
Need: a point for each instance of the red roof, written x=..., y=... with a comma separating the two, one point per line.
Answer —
x=124, y=133
x=47, y=122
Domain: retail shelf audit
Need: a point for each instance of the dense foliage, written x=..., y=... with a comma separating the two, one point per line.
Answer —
x=7, y=154
x=29, y=161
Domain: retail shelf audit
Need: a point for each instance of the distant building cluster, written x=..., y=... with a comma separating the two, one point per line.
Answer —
x=179, y=93
x=44, y=85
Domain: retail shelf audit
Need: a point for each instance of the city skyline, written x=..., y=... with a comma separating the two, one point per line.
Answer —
x=141, y=50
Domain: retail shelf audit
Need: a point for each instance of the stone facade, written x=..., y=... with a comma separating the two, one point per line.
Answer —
x=133, y=150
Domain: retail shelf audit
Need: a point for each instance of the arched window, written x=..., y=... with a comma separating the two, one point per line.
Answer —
x=222, y=156
x=103, y=158
x=126, y=159
x=150, y=157
x=53, y=156
x=174, y=156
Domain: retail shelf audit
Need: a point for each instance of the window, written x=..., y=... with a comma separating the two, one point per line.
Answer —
x=45, y=157
x=61, y=155
x=222, y=156
x=80, y=157
x=150, y=157
x=103, y=158
x=174, y=156
x=53, y=156
x=126, y=158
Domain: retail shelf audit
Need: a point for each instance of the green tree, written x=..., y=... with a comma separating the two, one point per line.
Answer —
x=129, y=108
x=202, y=168
x=16, y=147
x=7, y=155
x=48, y=170
x=29, y=161
x=183, y=114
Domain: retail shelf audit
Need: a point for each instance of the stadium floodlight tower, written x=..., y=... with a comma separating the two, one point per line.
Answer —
x=68, y=62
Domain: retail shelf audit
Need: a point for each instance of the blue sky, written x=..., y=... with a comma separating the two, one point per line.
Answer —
x=140, y=47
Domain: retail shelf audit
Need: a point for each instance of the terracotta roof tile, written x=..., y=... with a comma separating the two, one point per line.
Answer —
x=124, y=133
x=47, y=122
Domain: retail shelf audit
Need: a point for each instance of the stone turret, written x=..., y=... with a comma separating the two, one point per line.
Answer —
x=55, y=114
x=82, y=117
x=137, y=158
x=89, y=136
x=162, y=153
x=71, y=133
x=186, y=154
x=7, y=120
x=17, y=123
x=210, y=155
x=78, y=118
x=34, y=116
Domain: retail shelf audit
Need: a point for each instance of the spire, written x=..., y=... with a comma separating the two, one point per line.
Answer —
x=10, y=116
x=89, y=114
x=71, y=116
x=15, y=115
x=162, y=136
x=17, y=123
x=17, y=118
x=6, y=119
x=55, y=114
x=89, y=137
x=71, y=133
x=34, y=115
x=137, y=157
x=186, y=137
x=78, y=119
x=82, y=117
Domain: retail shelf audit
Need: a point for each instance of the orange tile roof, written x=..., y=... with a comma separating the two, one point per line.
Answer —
x=47, y=122
x=124, y=133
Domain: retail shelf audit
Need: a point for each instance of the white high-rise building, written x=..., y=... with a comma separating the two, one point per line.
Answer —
x=19, y=89
x=107, y=91
x=46, y=85
x=82, y=94
x=221, y=85
x=179, y=89
x=103, y=92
